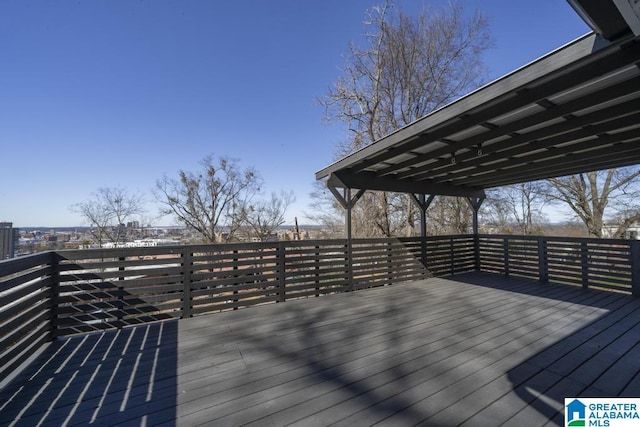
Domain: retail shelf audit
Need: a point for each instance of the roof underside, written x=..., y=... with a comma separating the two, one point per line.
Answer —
x=572, y=111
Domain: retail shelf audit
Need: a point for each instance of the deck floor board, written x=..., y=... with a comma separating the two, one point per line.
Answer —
x=472, y=349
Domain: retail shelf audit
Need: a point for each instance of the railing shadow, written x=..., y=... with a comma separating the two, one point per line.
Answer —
x=89, y=301
x=107, y=378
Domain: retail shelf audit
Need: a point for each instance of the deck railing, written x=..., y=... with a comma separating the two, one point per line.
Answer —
x=608, y=264
x=60, y=293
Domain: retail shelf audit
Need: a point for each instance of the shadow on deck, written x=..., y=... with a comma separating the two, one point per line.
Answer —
x=109, y=378
x=475, y=349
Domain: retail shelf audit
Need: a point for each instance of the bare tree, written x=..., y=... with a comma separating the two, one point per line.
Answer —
x=324, y=210
x=107, y=213
x=591, y=195
x=265, y=216
x=407, y=67
x=211, y=199
x=449, y=215
x=519, y=205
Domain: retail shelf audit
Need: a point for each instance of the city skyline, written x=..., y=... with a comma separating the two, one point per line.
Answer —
x=117, y=93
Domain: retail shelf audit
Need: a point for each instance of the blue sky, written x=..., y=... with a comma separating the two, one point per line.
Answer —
x=108, y=93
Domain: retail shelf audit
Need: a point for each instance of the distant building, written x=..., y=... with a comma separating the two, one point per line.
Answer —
x=9, y=238
x=631, y=233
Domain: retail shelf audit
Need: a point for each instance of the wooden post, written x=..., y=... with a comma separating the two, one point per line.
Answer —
x=120, y=296
x=389, y=263
x=347, y=203
x=584, y=257
x=425, y=259
x=349, y=265
x=543, y=267
x=634, y=260
x=347, y=194
x=235, y=276
x=475, y=203
x=55, y=295
x=187, y=263
x=423, y=203
x=317, y=268
x=476, y=252
x=281, y=273
x=505, y=251
x=451, y=255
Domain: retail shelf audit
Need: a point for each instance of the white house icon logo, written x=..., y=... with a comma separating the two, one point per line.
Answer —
x=576, y=413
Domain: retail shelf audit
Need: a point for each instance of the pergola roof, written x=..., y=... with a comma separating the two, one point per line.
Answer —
x=574, y=110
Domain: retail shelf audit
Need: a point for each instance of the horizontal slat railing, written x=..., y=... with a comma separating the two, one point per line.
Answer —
x=68, y=292
x=450, y=254
x=231, y=276
x=26, y=293
x=608, y=264
x=114, y=288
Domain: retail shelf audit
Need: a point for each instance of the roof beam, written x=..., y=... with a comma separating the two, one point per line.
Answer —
x=369, y=181
x=598, y=97
x=509, y=158
x=519, y=144
x=617, y=155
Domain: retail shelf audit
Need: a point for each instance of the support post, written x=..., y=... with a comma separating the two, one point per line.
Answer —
x=347, y=202
x=347, y=225
x=423, y=203
x=475, y=203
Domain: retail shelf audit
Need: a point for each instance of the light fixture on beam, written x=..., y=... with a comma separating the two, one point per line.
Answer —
x=479, y=147
x=453, y=158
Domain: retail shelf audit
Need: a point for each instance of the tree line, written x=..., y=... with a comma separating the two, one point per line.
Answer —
x=220, y=201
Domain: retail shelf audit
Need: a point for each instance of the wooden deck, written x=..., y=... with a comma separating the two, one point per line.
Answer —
x=473, y=349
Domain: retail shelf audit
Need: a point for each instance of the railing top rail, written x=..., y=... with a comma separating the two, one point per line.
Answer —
x=16, y=265
x=559, y=239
